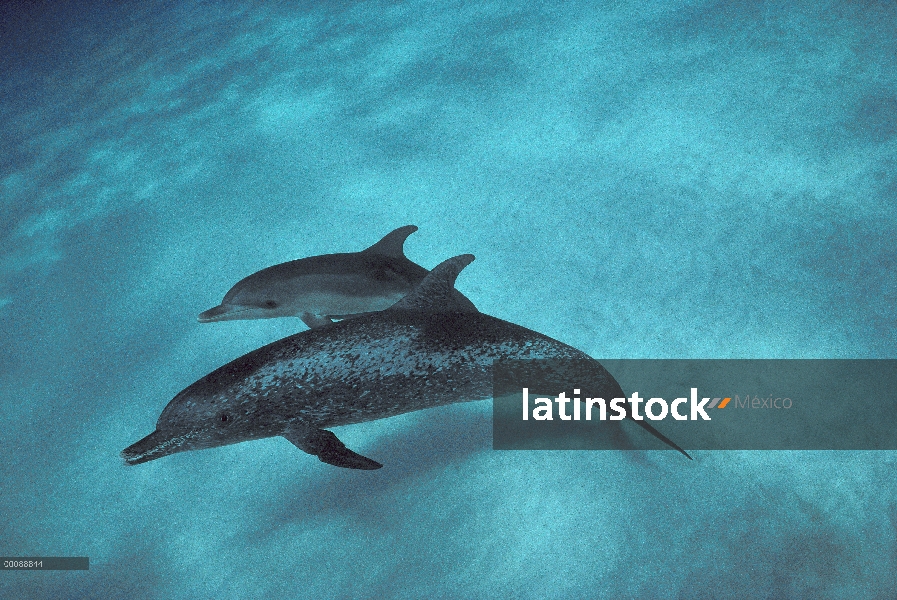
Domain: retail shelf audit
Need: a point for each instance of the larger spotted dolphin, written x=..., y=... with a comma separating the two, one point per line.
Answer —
x=319, y=288
x=425, y=351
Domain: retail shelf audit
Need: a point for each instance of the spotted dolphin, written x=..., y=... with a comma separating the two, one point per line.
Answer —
x=320, y=288
x=427, y=350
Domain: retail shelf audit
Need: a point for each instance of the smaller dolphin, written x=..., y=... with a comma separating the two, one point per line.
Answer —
x=318, y=289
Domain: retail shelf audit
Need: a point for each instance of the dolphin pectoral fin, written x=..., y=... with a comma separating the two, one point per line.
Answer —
x=314, y=321
x=327, y=447
x=353, y=315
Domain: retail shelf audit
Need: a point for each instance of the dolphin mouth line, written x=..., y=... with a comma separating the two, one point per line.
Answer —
x=135, y=454
x=224, y=315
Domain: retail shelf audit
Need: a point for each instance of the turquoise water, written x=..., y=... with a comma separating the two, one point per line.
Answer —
x=636, y=179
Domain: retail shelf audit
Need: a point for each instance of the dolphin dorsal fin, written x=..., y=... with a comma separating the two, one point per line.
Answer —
x=393, y=242
x=436, y=292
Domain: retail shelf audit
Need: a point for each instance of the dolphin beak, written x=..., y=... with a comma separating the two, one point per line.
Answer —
x=155, y=445
x=222, y=312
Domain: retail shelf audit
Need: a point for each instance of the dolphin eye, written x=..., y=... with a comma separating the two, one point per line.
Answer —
x=224, y=417
x=271, y=304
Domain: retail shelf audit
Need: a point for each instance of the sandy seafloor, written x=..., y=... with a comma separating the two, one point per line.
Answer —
x=637, y=179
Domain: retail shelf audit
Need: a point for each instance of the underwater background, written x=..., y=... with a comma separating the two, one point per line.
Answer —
x=666, y=179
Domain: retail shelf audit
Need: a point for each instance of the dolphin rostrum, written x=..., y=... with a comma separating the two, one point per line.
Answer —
x=319, y=288
x=427, y=350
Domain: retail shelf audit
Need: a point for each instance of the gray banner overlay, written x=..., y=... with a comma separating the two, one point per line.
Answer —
x=773, y=404
x=45, y=563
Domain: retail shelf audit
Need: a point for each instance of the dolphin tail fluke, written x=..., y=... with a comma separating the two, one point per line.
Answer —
x=328, y=448
x=661, y=437
x=393, y=243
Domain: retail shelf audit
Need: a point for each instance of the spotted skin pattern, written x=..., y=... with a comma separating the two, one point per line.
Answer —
x=363, y=369
x=426, y=351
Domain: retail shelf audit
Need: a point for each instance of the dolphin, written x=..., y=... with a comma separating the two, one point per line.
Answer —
x=318, y=289
x=427, y=350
